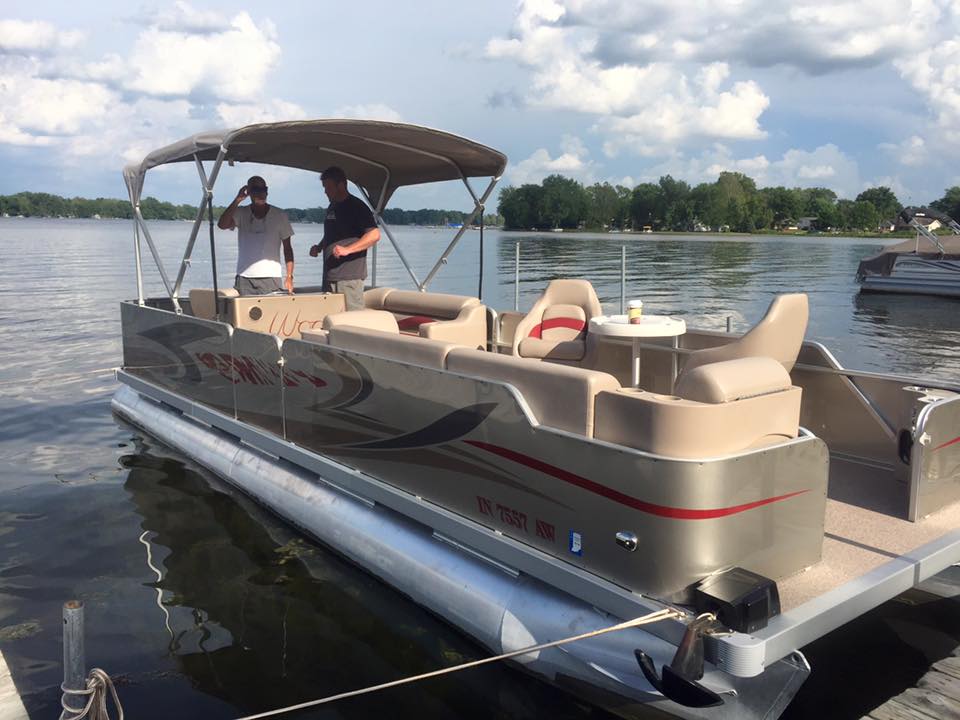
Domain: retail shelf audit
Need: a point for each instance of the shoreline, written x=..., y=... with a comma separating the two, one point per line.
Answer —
x=902, y=235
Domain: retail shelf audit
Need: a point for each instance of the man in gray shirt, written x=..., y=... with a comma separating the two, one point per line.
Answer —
x=348, y=231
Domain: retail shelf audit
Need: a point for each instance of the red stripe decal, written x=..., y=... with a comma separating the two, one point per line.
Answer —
x=946, y=444
x=564, y=322
x=632, y=502
x=414, y=321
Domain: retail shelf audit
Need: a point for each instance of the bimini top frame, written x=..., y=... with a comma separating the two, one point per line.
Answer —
x=378, y=157
x=911, y=214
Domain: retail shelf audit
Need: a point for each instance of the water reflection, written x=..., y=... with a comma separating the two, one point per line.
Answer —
x=261, y=617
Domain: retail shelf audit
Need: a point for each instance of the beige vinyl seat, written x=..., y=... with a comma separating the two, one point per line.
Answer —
x=556, y=326
x=559, y=396
x=368, y=319
x=778, y=335
x=720, y=408
x=375, y=333
x=458, y=319
x=202, y=305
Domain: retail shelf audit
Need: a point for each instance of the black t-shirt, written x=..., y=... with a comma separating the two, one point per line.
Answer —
x=346, y=222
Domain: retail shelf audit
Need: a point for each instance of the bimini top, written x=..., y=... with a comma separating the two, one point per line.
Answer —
x=377, y=156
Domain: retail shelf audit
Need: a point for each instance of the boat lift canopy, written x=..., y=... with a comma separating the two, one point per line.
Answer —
x=378, y=157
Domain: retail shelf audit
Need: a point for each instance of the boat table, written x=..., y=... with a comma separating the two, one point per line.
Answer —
x=650, y=326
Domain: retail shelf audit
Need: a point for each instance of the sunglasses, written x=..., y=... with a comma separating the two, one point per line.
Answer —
x=257, y=190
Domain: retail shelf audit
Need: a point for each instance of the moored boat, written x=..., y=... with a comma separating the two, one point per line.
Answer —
x=527, y=479
x=926, y=265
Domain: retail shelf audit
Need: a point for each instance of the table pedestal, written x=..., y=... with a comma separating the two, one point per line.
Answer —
x=618, y=327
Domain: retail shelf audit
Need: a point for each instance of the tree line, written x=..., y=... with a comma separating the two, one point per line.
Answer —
x=35, y=204
x=38, y=204
x=733, y=202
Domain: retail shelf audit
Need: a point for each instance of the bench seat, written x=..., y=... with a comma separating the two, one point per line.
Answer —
x=438, y=316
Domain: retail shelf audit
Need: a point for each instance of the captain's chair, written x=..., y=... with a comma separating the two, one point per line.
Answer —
x=556, y=326
x=778, y=335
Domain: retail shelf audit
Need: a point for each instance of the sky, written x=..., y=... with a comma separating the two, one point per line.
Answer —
x=839, y=94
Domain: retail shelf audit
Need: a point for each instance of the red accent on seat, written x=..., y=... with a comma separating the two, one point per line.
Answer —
x=666, y=511
x=565, y=322
x=414, y=321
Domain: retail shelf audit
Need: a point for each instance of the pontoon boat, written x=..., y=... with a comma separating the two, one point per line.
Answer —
x=926, y=265
x=504, y=470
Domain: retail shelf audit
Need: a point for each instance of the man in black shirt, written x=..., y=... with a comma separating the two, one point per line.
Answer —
x=348, y=231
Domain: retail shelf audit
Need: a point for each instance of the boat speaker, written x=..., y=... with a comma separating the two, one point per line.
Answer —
x=742, y=600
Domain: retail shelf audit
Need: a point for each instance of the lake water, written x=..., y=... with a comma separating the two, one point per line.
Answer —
x=205, y=606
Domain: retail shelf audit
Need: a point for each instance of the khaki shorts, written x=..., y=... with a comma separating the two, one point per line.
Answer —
x=352, y=292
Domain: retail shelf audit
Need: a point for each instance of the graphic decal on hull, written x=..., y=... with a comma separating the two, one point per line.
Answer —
x=446, y=429
x=173, y=338
x=948, y=443
x=676, y=513
x=356, y=383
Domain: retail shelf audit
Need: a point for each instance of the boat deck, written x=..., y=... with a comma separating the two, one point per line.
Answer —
x=856, y=541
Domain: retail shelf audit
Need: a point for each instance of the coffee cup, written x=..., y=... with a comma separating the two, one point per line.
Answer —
x=634, y=311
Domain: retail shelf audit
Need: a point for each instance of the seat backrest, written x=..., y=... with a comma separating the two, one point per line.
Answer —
x=561, y=314
x=434, y=305
x=374, y=297
x=201, y=301
x=559, y=396
x=391, y=345
x=778, y=335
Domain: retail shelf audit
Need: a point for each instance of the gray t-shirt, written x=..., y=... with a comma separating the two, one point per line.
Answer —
x=345, y=223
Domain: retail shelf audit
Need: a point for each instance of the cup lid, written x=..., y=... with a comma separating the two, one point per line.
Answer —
x=635, y=303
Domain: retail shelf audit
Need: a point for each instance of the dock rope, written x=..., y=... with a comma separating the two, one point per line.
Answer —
x=98, y=683
x=659, y=615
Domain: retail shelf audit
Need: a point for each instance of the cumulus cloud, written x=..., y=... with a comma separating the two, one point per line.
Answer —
x=505, y=98
x=935, y=74
x=912, y=151
x=825, y=166
x=372, y=111
x=815, y=36
x=678, y=112
x=233, y=115
x=643, y=105
x=175, y=63
x=32, y=107
x=573, y=161
x=666, y=74
x=179, y=76
x=52, y=107
x=35, y=36
x=184, y=18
